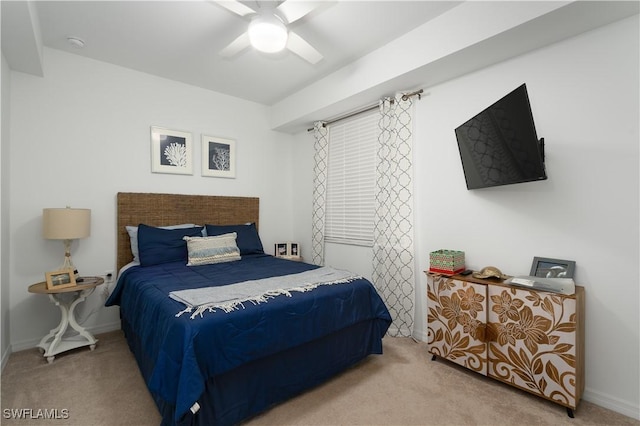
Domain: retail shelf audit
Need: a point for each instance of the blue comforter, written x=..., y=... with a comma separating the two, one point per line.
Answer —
x=181, y=353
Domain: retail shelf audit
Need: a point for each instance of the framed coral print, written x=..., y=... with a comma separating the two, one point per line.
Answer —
x=60, y=279
x=552, y=268
x=171, y=151
x=218, y=157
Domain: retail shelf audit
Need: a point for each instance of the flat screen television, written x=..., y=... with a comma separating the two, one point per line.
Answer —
x=499, y=146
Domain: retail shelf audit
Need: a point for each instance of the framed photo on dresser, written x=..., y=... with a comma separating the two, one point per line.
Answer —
x=552, y=268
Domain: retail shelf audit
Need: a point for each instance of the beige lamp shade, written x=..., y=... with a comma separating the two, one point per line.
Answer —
x=66, y=223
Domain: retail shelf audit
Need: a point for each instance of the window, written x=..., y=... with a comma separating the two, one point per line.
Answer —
x=351, y=180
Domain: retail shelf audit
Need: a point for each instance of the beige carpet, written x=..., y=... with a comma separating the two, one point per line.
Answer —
x=401, y=387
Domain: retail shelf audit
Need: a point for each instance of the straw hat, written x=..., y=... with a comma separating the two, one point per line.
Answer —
x=490, y=272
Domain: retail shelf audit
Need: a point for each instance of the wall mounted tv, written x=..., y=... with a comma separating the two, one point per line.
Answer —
x=499, y=146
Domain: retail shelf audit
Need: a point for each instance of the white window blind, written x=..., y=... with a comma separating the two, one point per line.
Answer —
x=351, y=180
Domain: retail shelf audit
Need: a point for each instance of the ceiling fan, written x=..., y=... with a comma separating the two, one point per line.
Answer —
x=268, y=28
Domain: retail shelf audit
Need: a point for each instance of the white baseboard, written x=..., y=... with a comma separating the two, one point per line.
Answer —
x=420, y=335
x=5, y=357
x=105, y=328
x=628, y=408
x=32, y=343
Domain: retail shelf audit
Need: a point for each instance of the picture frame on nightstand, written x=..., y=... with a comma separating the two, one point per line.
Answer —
x=60, y=279
x=287, y=250
x=280, y=249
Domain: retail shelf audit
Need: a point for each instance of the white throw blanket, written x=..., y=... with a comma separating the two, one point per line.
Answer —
x=231, y=297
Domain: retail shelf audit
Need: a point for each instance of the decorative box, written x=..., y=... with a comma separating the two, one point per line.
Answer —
x=448, y=262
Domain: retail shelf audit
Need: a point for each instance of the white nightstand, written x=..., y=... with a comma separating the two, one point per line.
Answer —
x=67, y=299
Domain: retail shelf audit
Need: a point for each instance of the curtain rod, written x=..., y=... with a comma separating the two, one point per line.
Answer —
x=367, y=108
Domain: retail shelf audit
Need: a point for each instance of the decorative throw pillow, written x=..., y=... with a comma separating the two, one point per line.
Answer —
x=158, y=245
x=133, y=237
x=208, y=250
x=248, y=240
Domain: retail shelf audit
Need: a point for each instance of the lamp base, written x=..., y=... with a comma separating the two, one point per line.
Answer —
x=68, y=264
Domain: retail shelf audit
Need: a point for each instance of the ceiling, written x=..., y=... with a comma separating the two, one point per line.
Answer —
x=180, y=40
x=371, y=48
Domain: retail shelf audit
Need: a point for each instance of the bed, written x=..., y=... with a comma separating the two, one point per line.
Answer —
x=224, y=361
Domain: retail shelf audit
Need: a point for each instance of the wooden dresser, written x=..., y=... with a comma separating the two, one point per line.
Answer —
x=530, y=339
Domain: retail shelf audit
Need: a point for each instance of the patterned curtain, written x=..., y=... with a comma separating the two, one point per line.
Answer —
x=393, y=256
x=320, y=170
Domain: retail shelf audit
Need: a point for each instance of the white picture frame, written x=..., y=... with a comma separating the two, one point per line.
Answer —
x=171, y=151
x=281, y=249
x=286, y=250
x=218, y=157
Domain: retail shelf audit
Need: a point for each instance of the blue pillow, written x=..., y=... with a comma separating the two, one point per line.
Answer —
x=247, y=239
x=133, y=236
x=156, y=245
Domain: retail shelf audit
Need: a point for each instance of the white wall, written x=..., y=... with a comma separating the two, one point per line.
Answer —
x=5, y=322
x=584, y=95
x=82, y=133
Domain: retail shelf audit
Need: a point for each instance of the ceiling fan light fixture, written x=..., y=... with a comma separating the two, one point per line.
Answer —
x=268, y=34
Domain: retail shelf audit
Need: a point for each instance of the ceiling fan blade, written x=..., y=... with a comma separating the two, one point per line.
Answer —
x=236, y=46
x=300, y=47
x=293, y=10
x=235, y=7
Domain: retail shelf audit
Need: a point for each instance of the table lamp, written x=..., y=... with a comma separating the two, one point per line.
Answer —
x=66, y=224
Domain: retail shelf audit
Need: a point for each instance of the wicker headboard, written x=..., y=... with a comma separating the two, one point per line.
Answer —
x=171, y=209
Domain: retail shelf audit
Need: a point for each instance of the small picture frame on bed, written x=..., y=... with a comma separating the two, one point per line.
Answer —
x=171, y=151
x=60, y=279
x=552, y=268
x=218, y=157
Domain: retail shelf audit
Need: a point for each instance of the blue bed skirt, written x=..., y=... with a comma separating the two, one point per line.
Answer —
x=250, y=389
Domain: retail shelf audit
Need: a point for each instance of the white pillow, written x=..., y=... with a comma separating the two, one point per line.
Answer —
x=208, y=250
x=133, y=237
